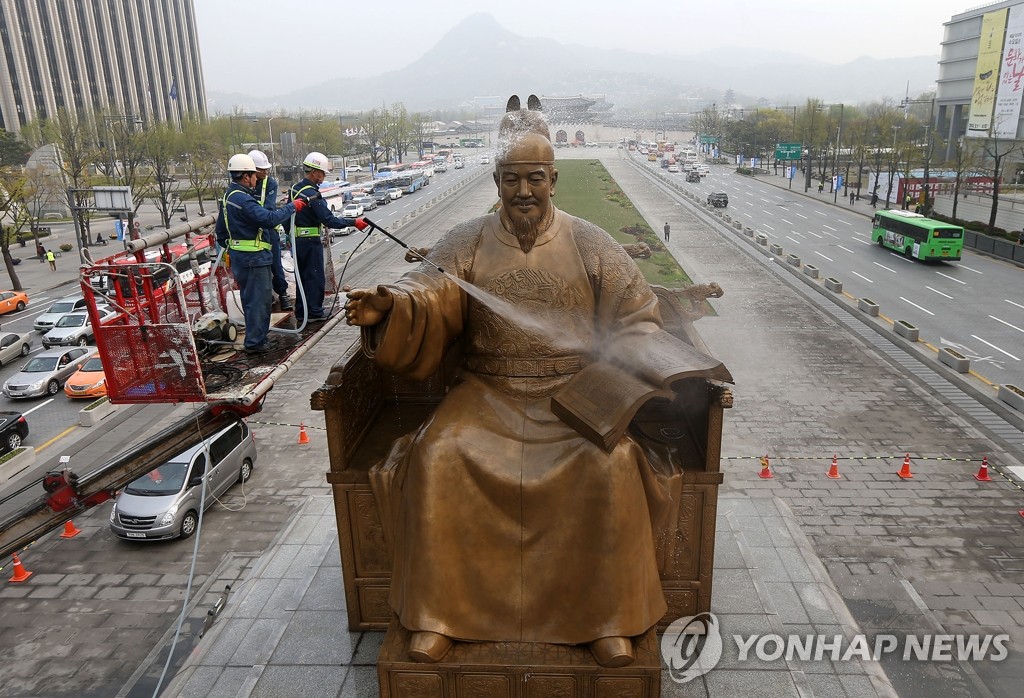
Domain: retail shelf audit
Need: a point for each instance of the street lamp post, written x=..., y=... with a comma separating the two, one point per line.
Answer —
x=928, y=142
x=270, y=132
x=892, y=166
x=835, y=158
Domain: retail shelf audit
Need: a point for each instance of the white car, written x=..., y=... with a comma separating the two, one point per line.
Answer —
x=395, y=193
x=673, y=168
x=352, y=211
x=354, y=168
x=484, y=160
x=75, y=329
x=14, y=345
x=703, y=170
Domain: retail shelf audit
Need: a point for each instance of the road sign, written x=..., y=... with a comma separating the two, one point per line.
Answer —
x=789, y=151
x=709, y=139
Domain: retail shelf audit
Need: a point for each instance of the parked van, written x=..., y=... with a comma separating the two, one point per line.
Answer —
x=164, y=503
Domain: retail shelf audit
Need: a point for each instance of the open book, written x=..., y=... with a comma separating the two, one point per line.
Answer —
x=601, y=400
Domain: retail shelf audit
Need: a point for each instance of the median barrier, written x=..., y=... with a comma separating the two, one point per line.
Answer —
x=811, y=271
x=794, y=260
x=866, y=305
x=737, y=225
x=954, y=359
x=749, y=232
x=1012, y=396
x=762, y=239
x=775, y=248
x=906, y=330
x=834, y=285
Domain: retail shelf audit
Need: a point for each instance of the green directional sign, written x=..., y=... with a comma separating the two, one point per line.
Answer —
x=789, y=151
x=709, y=139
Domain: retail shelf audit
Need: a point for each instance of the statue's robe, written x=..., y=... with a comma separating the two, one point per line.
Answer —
x=508, y=525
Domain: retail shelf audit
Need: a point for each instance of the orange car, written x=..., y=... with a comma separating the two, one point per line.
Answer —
x=11, y=301
x=88, y=381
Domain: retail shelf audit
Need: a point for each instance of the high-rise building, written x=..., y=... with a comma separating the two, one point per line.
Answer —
x=135, y=58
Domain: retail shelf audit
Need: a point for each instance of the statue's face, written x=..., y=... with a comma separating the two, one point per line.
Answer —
x=525, y=182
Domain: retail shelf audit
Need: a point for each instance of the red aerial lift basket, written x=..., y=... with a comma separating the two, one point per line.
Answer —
x=148, y=349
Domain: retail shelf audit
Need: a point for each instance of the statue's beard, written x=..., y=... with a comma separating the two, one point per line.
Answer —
x=528, y=227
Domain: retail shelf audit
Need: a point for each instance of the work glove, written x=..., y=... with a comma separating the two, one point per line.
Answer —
x=361, y=224
x=300, y=204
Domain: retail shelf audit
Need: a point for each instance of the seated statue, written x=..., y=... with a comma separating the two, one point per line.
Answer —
x=508, y=525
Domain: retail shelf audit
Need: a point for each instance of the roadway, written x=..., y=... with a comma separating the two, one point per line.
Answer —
x=973, y=306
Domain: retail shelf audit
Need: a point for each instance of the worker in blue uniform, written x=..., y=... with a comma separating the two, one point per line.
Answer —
x=309, y=250
x=266, y=194
x=241, y=228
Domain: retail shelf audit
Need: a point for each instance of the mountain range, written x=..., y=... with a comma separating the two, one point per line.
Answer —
x=480, y=57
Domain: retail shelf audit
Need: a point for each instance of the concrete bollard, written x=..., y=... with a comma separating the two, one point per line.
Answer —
x=868, y=306
x=749, y=232
x=834, y=285
x=737, y=225
x=775, y=248
x=762, y=239
x=811, y=271
x=906, y=330
x=794, y=260
x=1012, y=396
x=954, y=359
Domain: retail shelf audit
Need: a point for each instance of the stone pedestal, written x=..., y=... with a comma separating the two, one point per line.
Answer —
x=515, y=670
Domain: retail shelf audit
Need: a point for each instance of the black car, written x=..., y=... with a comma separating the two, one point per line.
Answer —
x=718, y=199
x=382, y=198
x=692, y=176
x=13, y=430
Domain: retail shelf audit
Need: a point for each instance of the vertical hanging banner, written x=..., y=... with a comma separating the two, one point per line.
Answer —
x=1011, y=77
x=986, y=76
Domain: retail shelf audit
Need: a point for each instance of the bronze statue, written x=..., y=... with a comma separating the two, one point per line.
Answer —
x=508, y=525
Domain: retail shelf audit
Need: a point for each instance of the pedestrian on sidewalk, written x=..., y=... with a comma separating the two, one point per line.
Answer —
x=52, y=259
x=821, y=186
x=874, y=199
x=668, y=231
x=852, y=195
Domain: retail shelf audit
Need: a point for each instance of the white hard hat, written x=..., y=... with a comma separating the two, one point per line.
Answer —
x=241, y=163
x=317, y=161
x=260, y=158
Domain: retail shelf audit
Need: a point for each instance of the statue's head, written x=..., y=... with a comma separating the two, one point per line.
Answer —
x=524, y=171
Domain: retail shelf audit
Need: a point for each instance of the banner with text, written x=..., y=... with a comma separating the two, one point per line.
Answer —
x=1011, y=77
x=986, y=76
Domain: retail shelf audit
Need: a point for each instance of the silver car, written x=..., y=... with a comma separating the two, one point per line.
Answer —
x=14, y=345
x=68, y=304
x=164, y=503
x=75, y=329
x=45, y=373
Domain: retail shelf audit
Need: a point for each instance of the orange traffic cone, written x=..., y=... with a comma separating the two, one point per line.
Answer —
x=303, y=436
x=905, y=470
x=833, y=471
x=69, y=530
x=766, y=471
x=982, y=474
x=20, y=573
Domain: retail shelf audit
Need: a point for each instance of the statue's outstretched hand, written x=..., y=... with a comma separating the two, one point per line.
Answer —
x=366, y=307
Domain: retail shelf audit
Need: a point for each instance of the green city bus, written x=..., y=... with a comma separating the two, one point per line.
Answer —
x=916, y=236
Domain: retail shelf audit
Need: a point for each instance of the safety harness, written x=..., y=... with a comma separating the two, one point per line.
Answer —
x=257, y=245
x=305, y=231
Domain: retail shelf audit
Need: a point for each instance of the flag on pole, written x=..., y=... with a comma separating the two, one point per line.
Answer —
x=173, y=94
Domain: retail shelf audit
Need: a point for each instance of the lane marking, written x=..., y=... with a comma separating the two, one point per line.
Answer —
x=964, y=266
x=901, y=258
x=1006, y=323
x=829, y=227
x=786, y=222
x=821, y=213
x=884, y=267
x=935, y=290
x=801, y=215
x=863, y=242
x=793, y=239
x=768, y=226
x=840, y=220
x=834, y=237
x=42, y=404
x=917, y=306
x=846, y=249
x=821, y=255
x=862, y=276
x=811, y=232
x=1012, y=303
x=951, y=278
x=995, y=347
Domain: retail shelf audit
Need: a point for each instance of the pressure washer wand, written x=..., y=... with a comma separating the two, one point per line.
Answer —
x=409, y=249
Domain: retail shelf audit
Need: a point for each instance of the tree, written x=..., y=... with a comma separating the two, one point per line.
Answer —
x=161, y=148
x=12, y=183
x=74, y=137
x=964, y=162
x=205, y=164
x=12, y=150
x=996, y=151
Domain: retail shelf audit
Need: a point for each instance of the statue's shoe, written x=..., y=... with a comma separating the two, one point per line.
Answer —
x=612, y=651
x=426, y=646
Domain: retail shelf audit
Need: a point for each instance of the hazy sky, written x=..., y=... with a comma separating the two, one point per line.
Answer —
x=342, y=35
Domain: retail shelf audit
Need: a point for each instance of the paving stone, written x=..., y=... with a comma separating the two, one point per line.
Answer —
x=306, y=681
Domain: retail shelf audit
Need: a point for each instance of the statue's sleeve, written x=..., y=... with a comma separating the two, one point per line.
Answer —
x=428, y=311
x=626, y=305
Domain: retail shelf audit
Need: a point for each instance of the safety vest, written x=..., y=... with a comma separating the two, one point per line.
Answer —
x=257, y=245
x=306, y=231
